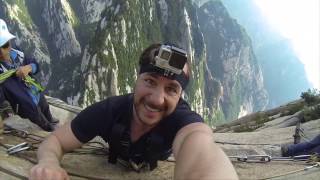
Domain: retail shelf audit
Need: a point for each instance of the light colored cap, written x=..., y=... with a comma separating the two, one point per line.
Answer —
x=5, y=35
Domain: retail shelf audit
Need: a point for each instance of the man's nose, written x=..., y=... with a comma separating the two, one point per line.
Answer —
x=158, y=97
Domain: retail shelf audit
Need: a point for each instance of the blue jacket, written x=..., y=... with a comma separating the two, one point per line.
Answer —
x=21, y=97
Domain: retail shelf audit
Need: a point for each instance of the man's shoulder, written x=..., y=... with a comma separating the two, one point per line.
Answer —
x=115, y=101
x=119, y=98
x=112, y=102
x=185, y=114
x=183, y=107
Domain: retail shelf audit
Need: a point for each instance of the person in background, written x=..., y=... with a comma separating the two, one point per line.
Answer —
x=145, y=126
x=26, y=100
x=303, y=148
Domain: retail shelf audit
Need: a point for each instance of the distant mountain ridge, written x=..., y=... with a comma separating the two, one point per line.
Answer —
x=88, y=50
x=283, y=72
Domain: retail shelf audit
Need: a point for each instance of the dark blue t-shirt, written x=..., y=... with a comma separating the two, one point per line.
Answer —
x=99, y=118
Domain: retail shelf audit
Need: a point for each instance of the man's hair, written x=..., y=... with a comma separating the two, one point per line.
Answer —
x=149, y=53
x=152, y=51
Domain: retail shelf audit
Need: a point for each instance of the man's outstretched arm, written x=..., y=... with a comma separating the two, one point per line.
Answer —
x=198, y=157
x=50, y=153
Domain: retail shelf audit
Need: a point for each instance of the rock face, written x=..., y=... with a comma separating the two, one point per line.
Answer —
x=264, y=133
x=89, y=50
x=231, y=63
x=267, y=130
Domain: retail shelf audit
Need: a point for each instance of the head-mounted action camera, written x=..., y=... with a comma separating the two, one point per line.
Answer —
x=171, y=59
x=168, y=62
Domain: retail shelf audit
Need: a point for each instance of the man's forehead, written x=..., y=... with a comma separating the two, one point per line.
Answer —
x=160, y=77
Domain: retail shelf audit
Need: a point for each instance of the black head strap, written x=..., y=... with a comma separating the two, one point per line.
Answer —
x=181, y=78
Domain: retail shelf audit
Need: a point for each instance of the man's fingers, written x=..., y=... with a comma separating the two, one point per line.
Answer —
x=39, y=173
x=21, y=73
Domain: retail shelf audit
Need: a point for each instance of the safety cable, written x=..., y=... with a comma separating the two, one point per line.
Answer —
x=12, y=173
x=60, y=104
x=251, y=144
x=295, y=171
x=94, y=147
x=89, y=146
x=27, y=158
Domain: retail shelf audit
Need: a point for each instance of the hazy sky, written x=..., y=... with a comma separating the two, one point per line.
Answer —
x=298, y=20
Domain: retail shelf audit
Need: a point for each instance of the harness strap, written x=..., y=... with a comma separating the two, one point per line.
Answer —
x=121, y=147
x=154, y=143
x=120, y=144
x=115, y=146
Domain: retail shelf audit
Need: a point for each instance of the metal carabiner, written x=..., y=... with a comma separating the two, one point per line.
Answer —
x=18, y=148
x=136, y=167
x=253, y=158
x=259, y=158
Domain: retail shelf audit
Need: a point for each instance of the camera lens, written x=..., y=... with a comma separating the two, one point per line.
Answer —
x=165, y=55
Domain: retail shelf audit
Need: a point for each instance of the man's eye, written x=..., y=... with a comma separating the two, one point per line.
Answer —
x=172, y=91
x=149, y=82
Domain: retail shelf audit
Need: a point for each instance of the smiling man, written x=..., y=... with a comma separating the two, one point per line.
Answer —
x=144, y=127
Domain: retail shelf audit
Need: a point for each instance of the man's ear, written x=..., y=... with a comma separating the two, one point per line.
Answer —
x=182, y=94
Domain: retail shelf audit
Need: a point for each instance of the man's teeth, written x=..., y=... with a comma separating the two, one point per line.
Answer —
x=151, y=109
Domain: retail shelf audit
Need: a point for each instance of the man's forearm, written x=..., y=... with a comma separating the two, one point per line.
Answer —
x=200, y=158
x=50, y=151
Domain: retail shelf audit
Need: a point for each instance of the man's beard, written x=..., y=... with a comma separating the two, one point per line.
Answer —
x=142, y=103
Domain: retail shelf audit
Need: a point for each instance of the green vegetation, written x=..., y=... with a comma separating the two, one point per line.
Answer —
x=293, y=109
x=118, y=45
x=235, y=100
x=73, y=15
x=197, y=82
x=90, y=95
x=311, y=97
x=309, y=108
x=85, y=32
x=218, y=118
x=257, y=121
x=311, y=113
x=22, y=12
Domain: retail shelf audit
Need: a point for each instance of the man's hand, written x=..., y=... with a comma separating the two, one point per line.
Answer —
x=23, y=71
x=50, y=153
x=198, y=157
x=48, y=171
